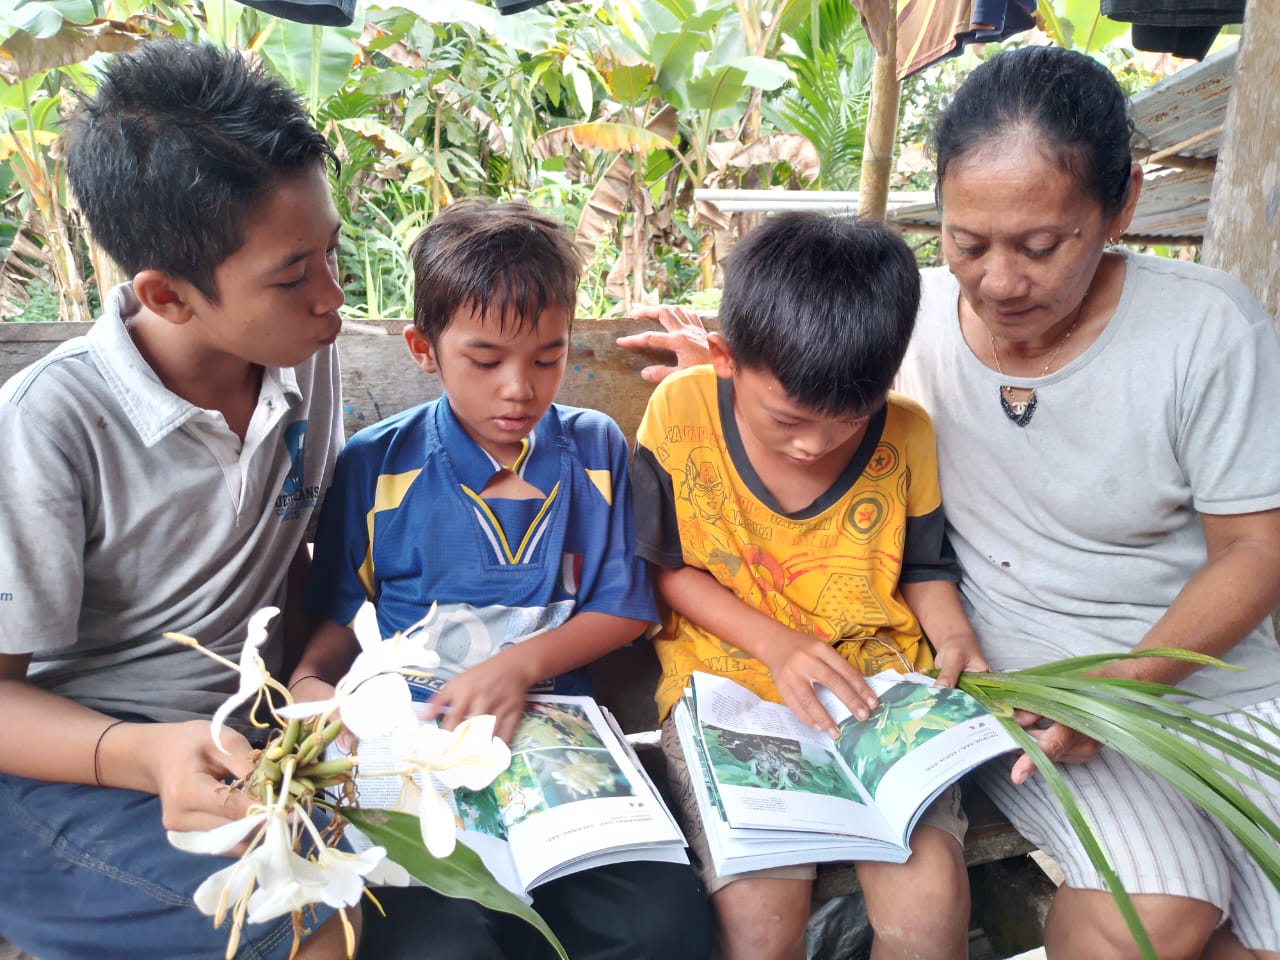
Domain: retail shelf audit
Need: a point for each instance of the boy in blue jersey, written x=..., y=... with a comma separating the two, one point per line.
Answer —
x=513, y=515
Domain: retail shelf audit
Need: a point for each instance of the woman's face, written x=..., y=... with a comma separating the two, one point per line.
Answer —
x=1021, y=237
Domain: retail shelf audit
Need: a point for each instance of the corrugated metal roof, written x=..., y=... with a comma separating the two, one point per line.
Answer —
x=1178, y=124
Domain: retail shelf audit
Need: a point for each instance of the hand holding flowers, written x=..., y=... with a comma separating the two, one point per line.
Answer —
x=290, y=801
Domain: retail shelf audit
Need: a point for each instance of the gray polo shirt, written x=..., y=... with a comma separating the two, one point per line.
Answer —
x=126, y=511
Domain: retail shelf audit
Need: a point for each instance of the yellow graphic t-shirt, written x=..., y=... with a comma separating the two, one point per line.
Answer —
x=831, y=570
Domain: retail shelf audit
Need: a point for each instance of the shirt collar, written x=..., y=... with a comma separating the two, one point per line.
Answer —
x=472, y=465
x=154, y=410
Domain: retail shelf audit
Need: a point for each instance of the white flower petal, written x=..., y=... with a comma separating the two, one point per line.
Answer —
x=388, y=873
x=225, y=887
x=309, y=708
x=253, y=672
x=435, y=818
x=218, y=840
x=379, y=707
x=258, y=624
x=469, y=756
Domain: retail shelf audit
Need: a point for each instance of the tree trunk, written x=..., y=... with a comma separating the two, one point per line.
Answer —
x=1243, y=231
x=882, y=130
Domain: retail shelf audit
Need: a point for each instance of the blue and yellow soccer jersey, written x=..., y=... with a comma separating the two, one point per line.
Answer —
x=831, y=570
x=404, y=526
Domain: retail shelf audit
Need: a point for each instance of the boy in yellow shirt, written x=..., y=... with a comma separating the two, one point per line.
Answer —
x=790, y=507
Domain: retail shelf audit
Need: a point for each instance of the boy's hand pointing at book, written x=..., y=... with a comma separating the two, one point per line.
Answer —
x=798, y=661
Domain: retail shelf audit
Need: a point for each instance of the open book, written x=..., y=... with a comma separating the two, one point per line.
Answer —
x=574, y=797
x=773, y=791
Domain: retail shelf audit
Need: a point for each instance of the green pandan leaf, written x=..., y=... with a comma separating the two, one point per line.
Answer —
x=1094, y=661
x=1169, y=738
x=1083, y=828
x=461, y=874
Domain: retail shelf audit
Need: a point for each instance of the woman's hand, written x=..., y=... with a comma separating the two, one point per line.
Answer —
x=683, y=334
x=1060, y=744
x=799, y=663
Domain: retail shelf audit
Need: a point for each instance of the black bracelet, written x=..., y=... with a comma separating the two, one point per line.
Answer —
x=97, y=772
x=308, y=676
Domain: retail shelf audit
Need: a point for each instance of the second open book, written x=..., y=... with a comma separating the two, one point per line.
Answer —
x=772, y=791
x=573, y=798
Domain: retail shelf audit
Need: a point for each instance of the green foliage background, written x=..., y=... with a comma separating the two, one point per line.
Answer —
x=607, y=113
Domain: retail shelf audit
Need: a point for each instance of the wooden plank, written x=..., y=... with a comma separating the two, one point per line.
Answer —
x=379, y=377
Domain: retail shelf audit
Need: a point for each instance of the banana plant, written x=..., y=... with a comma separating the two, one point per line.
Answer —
x=1078, y=24
x=829, y=98
x=685, y=76
x=39, y=44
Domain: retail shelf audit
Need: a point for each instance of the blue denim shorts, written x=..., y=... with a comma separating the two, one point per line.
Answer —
x=87, y=872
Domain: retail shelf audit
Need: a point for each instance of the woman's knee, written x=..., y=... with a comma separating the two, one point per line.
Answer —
x=1087, y=924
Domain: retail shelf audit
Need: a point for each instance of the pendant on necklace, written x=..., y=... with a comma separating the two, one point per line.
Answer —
x=1019, y=411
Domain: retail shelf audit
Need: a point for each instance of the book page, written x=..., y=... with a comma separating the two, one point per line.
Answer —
x=771, y=770
x=920, y=739
x=571, y=796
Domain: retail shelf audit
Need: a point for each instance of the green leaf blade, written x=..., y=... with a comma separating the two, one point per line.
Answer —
x=462, y=874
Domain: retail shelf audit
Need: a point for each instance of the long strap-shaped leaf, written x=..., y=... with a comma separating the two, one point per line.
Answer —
x=1197, y=775
x=1083, y=828
x=1210, y=730
x=1093, y=661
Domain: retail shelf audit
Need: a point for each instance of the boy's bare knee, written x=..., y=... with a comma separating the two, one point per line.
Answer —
x=762, y=919
x=934, y=920
x=329, y=941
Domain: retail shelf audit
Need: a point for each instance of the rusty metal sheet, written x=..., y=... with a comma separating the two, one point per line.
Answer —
x=1188, y=105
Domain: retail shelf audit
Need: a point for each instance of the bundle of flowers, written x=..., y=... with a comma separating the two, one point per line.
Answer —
x=1154, y=727
x=303, y=798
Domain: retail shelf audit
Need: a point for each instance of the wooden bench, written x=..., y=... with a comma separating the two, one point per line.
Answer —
x=379, y=379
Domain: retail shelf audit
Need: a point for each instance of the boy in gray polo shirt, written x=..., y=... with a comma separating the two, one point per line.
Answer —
x=160, y=474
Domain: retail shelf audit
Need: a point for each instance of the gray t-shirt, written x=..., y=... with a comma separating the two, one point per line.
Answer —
x=126, y=511
x=1076, y=531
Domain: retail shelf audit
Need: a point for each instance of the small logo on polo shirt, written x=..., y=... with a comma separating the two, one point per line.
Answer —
x=295, y=495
